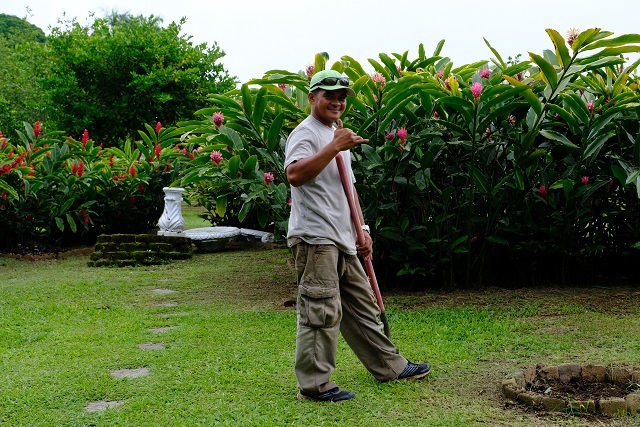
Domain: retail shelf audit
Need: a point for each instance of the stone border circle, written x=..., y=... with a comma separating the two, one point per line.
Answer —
x=515, y=388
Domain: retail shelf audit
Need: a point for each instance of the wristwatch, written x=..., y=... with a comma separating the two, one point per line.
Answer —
x=366, y=228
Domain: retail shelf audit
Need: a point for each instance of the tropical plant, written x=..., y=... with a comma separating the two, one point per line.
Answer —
x=123, y=71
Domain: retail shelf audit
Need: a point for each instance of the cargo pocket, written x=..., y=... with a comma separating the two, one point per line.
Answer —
x=319, y=306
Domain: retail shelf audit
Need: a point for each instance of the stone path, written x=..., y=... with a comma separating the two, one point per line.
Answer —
x=103, y=405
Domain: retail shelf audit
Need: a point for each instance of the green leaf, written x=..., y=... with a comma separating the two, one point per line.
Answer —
x=495, y=52
x=549, y=73
x=258, y=109
x=244, y=211
x=60, y=223
x=531, y=97
x=247, y=105
x=221, y=206
x=614, y=42
x=619, y=173
x=391, y=65
x=234, y=166
x=72, y=223
x=250, y=164
x=562, y=52
x=577, y=106
x=518, y=179
x=11, y=192
x=558, y=137
x=573, y=124
x=594, y=147
x=273, y=138
x=463, y=106
x=588, y=36
x=224, y=101
x=481, y=181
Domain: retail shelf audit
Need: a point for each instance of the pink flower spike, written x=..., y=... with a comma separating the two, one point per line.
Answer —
x=216, y=157
x=282, y=86
x=476, y=89
x=268, y=178
x=310, y=71
x=158, y=150
x=378, y=80
x=390, y=136
x=440, y=74
x=485, y=73
x=590, y=106
x=402, y=134
x=158, y=127
x=37, y=129
x=543, y=191
x=133, y=171
x=585, y=180
x=85, y=137
x=218, y=118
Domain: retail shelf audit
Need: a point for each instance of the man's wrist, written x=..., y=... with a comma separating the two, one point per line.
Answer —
x=366, y=228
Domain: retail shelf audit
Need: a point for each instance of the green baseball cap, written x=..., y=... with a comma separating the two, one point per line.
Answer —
x=330, y=80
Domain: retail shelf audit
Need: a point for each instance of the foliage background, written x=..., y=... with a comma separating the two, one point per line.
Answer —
x=516, y=171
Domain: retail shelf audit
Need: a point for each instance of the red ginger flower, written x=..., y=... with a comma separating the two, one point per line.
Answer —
x=37, y=129
x=133, y=171
x=158, y=127
x=402, y=135
x=268, y=178
x=485, y=73
x=216, y=157
x=378, y=80
x=158, y=150
x=218, y=118
x=77, y=168
x=85, y=137
x=585, y=180
x=476, y=89
x=310, y=71
x=543, y=191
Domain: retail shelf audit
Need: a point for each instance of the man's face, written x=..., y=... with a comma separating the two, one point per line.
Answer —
x=328, y=105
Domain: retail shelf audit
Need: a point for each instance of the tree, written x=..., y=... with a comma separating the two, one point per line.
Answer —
x=22, y=67
x=122, y=71
x=11, y=26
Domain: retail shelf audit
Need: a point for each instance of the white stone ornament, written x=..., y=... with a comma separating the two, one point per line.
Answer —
x=171, y=222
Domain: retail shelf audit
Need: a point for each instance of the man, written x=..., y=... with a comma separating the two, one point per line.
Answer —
x=334, y=294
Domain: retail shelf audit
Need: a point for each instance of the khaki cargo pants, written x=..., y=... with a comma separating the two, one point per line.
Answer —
x=334, y=295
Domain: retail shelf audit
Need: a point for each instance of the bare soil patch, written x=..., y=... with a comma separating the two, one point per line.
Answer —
x=580, y=389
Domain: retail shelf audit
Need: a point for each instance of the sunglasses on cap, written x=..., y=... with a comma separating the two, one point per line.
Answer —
x=332, y=81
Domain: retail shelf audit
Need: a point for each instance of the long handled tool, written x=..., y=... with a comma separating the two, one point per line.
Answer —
x=355, y=217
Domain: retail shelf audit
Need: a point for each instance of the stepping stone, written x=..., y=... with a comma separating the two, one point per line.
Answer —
x=167, y=315
x=151, y=346
x=162, y=291
x=167, y=304
x=102, y=405
x=130, y=373
x=161, y=329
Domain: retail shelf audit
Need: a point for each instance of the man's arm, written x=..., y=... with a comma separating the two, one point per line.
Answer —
x=304, y=170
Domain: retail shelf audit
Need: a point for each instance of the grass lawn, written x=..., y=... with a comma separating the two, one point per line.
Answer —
x=228, y=355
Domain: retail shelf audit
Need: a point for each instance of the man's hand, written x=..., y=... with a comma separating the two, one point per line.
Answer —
x=366, y=250
x=345, y=138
